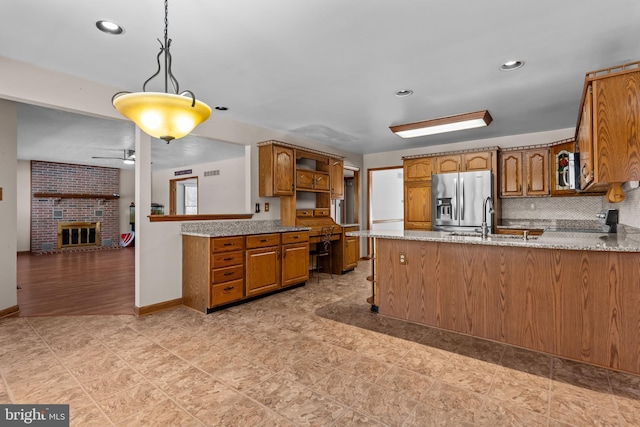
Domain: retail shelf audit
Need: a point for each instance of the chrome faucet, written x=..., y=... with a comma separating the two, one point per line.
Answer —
x=485, y=227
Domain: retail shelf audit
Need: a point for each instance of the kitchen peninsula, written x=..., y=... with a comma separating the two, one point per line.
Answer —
x=574, y=295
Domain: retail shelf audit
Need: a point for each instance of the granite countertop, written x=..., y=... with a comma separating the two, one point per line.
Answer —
x=236, y=228
x=626, y=240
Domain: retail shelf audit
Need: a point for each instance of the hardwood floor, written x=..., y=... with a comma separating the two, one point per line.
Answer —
x=92, y=282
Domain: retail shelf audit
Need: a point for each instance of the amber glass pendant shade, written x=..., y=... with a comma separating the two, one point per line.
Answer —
x=162, y=115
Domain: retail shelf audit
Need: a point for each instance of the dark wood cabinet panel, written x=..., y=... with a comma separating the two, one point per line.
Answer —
x=277, y=165
x=417, y=205
x=511, y=174
x=418, y=169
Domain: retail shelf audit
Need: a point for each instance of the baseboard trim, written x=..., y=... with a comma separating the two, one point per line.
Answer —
x=10, y=312
x=24, y=252
x=154, y=308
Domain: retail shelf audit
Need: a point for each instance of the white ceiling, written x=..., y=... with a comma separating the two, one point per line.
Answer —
x=328, y=69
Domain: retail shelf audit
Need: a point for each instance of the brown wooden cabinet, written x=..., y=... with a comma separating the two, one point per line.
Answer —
x=448, y=164
x=345, y=252
x=609, y=127
x=417, y=205
x=559, y=168
x=477, y=161
x=276, y=170
x=418, y=169
x=308, y=180
x=465, y=162
x=417, y=193
x=222, y=270
x=337, y=179
x=524, y=173
x=351, y=249
x=262, y=264
x=295, y=258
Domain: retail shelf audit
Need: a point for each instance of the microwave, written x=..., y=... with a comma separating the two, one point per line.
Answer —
x=574, y=171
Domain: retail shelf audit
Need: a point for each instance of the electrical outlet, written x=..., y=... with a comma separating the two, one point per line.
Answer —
x=403, y=258
x=266, y=207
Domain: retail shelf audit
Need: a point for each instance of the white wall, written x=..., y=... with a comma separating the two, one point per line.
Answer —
x=23, y=195
x=215, y=194
x=8, y=204
x=127, y=195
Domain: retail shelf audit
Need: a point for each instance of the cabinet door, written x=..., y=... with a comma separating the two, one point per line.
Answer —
x=337, y=179
x=511, y=174
x=295, y=264
x=283, y=166
x=321, y=181
x=447, y=164
x=262, y=270
x=304, y=179
x=476, y=161
x=616, y=128
x=585, y=142
x=559, y=167
x=418, y=169
x=537, y=167
x=417, y=205
x=351, y=252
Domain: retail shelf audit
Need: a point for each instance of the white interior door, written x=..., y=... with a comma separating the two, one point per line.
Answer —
x=386, y=199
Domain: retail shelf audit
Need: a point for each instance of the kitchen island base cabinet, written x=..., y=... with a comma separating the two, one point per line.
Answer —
x=581, y=305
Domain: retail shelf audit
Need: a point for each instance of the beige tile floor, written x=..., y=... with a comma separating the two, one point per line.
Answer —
x=312, y=356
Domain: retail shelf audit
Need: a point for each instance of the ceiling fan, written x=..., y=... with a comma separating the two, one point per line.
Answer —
x=128, y=157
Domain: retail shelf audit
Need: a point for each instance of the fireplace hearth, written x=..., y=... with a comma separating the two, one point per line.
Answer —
x=78, y=234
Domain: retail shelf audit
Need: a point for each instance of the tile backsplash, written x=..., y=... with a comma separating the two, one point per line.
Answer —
x=552, y=208
x=629, y=208
x=572, y=208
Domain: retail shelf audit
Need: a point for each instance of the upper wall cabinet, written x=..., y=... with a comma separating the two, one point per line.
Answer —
x=277, y=165
x=473, y=161
x=609, y=128
x=418, y=169
x=524, y=173
x=337, y=179
x=559, y=168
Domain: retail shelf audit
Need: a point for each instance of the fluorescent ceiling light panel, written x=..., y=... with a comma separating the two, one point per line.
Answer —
x=443, y=124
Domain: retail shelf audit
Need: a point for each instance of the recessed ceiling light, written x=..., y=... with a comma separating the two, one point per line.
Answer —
x=404, y=92
x=511, y=65
x=109, y=27
x=221, y=108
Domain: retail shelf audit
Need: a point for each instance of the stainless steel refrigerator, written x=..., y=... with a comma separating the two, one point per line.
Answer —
x=458, y=198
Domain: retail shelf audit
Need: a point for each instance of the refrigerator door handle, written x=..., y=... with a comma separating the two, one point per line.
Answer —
x=454, y=201
x=462, y=199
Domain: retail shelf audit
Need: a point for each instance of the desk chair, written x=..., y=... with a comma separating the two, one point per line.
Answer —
x=323, y=248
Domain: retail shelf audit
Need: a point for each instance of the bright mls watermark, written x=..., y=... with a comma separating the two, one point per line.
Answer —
x=34, y=415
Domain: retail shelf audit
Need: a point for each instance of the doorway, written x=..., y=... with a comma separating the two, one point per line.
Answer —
x=183, y=196
x=386, y=199
x=347, y=209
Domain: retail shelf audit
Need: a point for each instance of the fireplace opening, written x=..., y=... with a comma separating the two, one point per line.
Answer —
x=75, y=234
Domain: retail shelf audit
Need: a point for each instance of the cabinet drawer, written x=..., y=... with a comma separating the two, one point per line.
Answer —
x=321, y=212
x=228, y=259
x=226, y=244
x=295, y=237
x=220, y=275
x=304, y=212
x=263, y=240
x=226, y=292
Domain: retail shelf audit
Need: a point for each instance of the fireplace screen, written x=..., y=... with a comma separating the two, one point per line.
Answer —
x=72, y=234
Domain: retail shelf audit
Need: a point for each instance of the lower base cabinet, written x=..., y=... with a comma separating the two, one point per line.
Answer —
x=263, y=274
x=217, y=271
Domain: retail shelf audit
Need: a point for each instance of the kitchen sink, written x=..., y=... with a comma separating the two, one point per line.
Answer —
x=492, y=236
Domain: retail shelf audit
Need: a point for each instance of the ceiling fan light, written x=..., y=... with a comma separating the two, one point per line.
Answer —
x=162, y=115
x=443, y=124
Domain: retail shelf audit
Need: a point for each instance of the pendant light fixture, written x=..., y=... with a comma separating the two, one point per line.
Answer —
x=163, y=115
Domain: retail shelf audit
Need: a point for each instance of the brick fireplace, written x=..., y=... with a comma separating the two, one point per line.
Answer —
x=83, y=185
